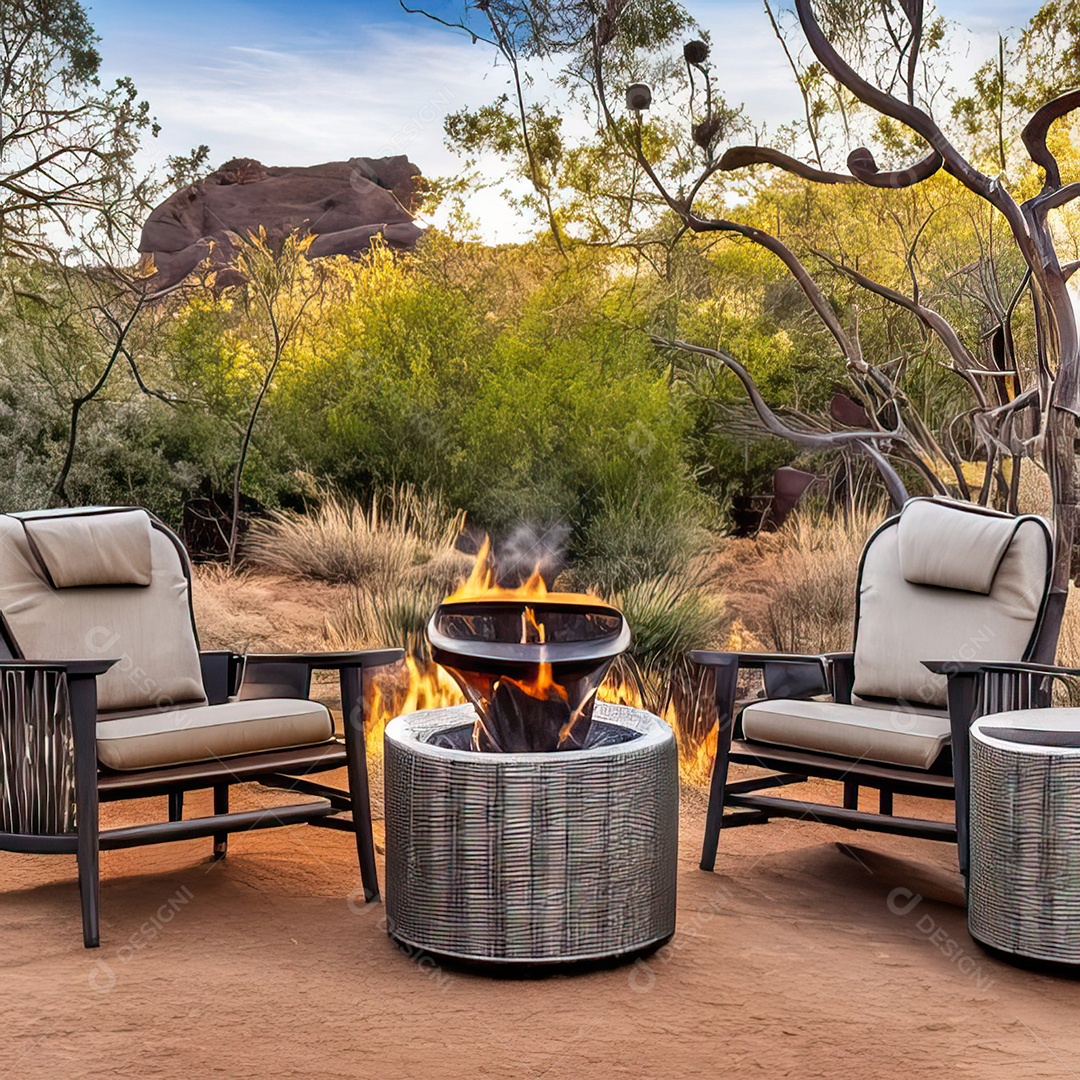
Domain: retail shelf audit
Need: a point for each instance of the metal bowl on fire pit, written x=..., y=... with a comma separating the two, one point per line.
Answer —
x=530, y=665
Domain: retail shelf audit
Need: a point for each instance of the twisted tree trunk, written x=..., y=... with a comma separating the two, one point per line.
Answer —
x=1056, y=392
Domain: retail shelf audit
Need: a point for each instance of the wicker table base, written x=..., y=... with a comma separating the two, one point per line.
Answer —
x=531, y=859
x=1024, y=897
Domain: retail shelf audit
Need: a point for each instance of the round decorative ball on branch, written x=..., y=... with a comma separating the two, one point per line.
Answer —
x=706, y=131
x=696, y=52
x=638, y=97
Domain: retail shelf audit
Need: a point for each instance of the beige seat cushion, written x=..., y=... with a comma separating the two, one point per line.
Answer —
x=889, y=736
x=208, y=732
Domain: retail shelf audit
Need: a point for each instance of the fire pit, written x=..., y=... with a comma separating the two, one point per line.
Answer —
x=535, y=826
x=535, y=858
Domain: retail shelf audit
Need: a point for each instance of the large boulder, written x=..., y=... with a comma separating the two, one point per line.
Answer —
x=344, y=203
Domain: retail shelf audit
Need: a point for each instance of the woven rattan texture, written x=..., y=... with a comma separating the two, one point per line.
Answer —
x=532, y=858
x=1025, y=850
x=37, y=761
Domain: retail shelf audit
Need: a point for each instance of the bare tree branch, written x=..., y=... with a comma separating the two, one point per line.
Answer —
x=864, y=168
x=739, y=157
x=864, y=441
x=1038, y=127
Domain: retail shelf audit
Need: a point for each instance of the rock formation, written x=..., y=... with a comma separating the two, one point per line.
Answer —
x=344, y=203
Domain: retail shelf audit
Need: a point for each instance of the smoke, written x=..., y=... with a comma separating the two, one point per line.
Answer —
x=529, y=548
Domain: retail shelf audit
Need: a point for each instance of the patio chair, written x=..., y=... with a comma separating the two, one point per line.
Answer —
x=942, y=581
x=104, y=695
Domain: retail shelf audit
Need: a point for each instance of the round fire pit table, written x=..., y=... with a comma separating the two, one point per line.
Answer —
x=1024, y=880
x=531, y=859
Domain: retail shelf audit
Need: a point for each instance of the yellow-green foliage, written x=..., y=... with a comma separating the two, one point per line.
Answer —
x=540, y=411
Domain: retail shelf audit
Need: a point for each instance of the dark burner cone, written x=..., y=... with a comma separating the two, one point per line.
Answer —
x=526, y=692
x=518, y=719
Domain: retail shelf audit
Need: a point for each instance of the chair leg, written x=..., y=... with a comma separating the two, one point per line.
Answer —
x=963, y=704
x=727, y=677
x=221, y=806
x=851, y=795
x=885, y=801
x=89, y=894
x=352, y=705
x=82, y=698
x=176, y=805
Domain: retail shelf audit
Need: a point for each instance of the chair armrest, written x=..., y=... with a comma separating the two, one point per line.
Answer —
x=82, y=689
x=975, y=667
x=76, y=668
x=785, y=674
x=82, y=697
x=330, y=661
x=979, y=688
x=288, y=675
x=841, y=675
x=708, y=658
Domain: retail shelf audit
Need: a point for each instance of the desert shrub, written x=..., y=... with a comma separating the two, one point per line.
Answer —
x=795, y=590
x=381, y=397
x=527, y=412
x=668, y=616
x=570, y=415
x=145, y=453
x=633, y=539
x=379, y=545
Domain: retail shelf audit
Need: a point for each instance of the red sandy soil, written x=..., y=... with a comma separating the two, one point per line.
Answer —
x=788, y=961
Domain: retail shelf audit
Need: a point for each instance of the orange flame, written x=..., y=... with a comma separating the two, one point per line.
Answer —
x=418, y=688
x=481, y=583
x=695, y=758
x=542, y=688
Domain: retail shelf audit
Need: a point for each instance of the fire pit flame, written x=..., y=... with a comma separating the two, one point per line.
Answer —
x=481, y=583
x=530, y=661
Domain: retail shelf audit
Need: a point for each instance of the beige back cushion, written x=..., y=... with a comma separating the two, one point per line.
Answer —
x=901, y=623
x=942, y=544
x=147, y=629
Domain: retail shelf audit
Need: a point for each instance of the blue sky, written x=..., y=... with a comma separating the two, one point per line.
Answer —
x=299, y=83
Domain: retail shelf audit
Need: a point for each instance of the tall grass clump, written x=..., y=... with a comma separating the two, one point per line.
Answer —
x=395, y=617
x=794, y=590
x=811, y=605
x=634, y=539
x=379, y=545
x=668, y=616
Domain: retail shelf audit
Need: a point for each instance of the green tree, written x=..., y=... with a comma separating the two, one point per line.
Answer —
x=280, y=295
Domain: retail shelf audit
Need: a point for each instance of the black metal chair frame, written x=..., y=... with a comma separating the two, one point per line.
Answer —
x=283, y=769
x=224, y=674
x=970, y=694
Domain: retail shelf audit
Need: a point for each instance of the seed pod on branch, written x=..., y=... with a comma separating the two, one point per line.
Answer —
x=696, y=52
x=706, y=131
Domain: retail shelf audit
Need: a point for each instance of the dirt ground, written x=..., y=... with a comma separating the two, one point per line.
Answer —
x=790, y=960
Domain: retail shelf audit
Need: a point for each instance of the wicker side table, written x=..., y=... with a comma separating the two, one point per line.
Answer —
x=1024, y=884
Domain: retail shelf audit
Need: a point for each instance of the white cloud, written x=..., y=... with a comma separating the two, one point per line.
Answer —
x=286, y=88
